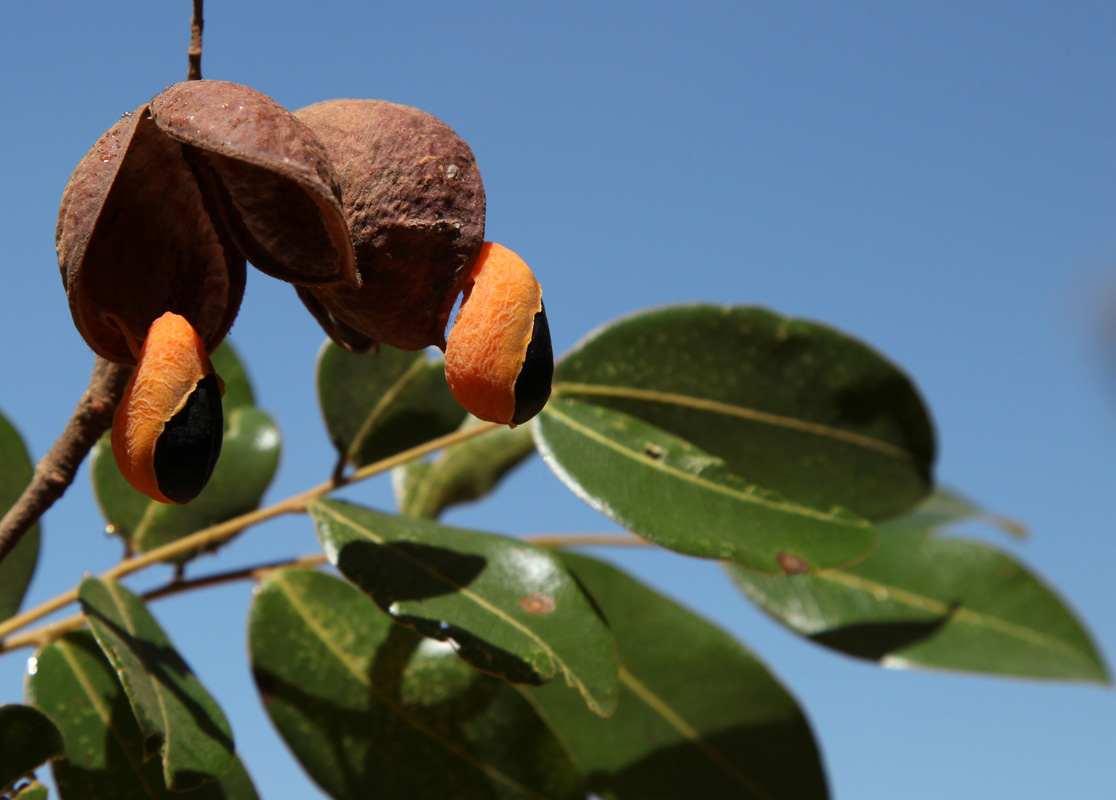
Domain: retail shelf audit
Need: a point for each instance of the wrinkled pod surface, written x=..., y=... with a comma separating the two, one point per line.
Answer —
x=414, y=201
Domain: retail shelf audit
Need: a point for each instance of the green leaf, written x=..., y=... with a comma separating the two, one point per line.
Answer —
x=461, y=473
x=180, y=721
x=73, y=683
x=509, y=608
x=682, y=498
x=238, y=388
x=378, y=404
x=371, y=709
x=699, y=716
x=15, y=473
x=248, y=462
x=921, y=601
x=28, y=739
x=791, y=406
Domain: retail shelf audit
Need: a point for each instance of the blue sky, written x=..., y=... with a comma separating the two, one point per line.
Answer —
x=938, y=179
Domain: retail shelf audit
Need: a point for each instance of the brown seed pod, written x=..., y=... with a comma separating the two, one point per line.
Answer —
x=414, y=201
x=134, y=240
x=159, y=214
x=275, y=184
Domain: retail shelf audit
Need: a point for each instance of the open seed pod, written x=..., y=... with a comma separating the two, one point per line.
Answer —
x=414, y=201
x=160, y=214
x=276, y=186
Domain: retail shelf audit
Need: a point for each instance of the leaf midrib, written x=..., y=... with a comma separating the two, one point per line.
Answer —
x=744, y=496
x=106, y=717
x=164, y=731
x=663, y=709
x=960, y=613
x=740, y=412
x=385, y=401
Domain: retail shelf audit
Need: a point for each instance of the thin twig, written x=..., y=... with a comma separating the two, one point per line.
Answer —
x=215, y=534
x=55, y=472
x=194, y=54
x=253, y=573
x=46, y=633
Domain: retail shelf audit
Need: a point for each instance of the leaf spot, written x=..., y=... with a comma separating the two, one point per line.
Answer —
x=537, y=603
x=792, y=565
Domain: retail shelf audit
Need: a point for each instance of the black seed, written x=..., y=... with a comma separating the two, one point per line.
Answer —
x=188, y=448
x=532, y=387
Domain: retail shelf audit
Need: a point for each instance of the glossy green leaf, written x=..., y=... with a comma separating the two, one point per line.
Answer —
x=699, y=716
x=682, y=498
x=28, y=739
x=935, y=603
x=373, y=710
x=248, y=462
x=74, y=684
x=379, y=404
x=178, y=718
x=509, y=608
x=19, y=565
x=790, y=406
x=238, y=388
x=461, y=473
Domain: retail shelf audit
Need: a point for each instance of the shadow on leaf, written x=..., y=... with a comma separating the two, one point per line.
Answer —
x=402, y=741
x=403, y=571
x=876, y=640
x=776, y=760
x=165, y=667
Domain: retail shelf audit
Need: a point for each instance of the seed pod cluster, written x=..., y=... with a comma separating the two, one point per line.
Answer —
x=374, y=211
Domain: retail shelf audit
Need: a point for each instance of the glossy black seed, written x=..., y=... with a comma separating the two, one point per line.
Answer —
x=188, y=448
x=532, y=387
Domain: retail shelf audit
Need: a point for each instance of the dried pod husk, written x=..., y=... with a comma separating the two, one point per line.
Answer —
x=414, y=201
x=160, y=214
x=135, y=240
x=276, y=188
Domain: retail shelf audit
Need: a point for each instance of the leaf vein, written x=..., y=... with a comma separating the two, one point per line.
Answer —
x=961, y=613
x=746, y=495
x=106, y=717
x=741, y=412
x=357, y=670
x=663, y=709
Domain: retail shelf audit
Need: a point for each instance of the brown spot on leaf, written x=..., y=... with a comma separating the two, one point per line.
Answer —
x=537, y=603
x=792, y=565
